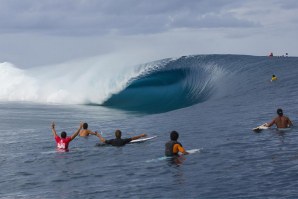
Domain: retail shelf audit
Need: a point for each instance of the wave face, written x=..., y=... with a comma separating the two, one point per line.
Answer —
x=155, y=87
x=177, y=83
x=169, y=85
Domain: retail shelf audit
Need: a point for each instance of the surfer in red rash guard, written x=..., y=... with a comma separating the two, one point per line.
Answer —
x=63, y=141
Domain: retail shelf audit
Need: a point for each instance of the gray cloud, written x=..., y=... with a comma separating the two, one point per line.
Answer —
x=41, y=32
x=91, y=17
x=288, y=4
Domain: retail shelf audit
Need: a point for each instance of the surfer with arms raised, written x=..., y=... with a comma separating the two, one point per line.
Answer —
x=63, y=141
x=118, y=141
x=280, y=121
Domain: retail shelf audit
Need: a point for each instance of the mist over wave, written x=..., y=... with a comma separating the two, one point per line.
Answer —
x=88, y=81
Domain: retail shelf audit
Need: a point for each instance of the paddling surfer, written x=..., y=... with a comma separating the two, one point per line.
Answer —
x=118, y=141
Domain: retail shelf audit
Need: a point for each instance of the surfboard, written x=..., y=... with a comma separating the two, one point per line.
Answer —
x=143, y=139
x=260, y=128
x=263, y=127
x=191, y=151
x=158, y=159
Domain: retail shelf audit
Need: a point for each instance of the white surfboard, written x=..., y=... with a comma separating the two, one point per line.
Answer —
x=260, y=128
x=142, y=139
x=191, y=151
x=264, y=127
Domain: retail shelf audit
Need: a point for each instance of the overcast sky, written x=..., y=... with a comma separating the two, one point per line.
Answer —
x=42, y=32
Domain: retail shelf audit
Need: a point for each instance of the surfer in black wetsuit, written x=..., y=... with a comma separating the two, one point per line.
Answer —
x=118, y=141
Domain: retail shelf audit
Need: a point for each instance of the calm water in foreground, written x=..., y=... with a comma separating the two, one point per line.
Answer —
x=233, y=162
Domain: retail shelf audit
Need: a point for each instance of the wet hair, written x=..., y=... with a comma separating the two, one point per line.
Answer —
x=174, y=135
x=118, y=133
x=279, y=112
x=273, y=75
x=63, y=134
x=85, y=126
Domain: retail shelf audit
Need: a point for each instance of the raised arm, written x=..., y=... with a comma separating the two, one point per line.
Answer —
x=138, y=136
x=54, y=130
x=77, y=132
x=100, y=137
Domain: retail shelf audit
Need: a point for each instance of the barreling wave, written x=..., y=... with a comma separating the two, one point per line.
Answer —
x=169, y=85
x=155, y=87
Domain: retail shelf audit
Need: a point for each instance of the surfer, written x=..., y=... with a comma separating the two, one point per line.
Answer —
x=280, y=121
x=63, y=141
x=118, y=141
x=173, y=147
x=85, y=132
x=273, y=78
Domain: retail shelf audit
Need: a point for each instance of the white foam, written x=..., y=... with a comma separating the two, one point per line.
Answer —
x=90, y=80
x=16, y=84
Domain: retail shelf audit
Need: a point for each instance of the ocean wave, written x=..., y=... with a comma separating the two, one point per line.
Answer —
x=153, y=87
x=171, y=85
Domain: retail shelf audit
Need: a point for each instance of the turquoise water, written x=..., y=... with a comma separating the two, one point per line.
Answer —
x=215, y=114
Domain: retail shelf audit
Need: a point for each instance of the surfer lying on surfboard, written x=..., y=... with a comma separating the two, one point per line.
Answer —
x=173, y=147
x=281, y=121
x=118, y=141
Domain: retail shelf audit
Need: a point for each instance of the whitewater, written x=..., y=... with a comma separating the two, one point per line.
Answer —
x=213, y=101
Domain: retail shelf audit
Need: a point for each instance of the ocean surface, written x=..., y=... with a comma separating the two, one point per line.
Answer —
x=213, y=101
